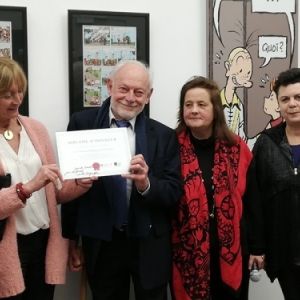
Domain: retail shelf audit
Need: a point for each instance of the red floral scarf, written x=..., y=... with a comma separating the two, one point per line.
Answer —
x=191, y=239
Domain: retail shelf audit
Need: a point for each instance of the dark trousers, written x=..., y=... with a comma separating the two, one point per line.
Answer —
x=115, y=262
x=218, y=290
x=289, y=280
x=32, y=253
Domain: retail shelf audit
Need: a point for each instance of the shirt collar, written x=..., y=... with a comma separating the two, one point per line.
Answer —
x=112, y=118
x=235, y=101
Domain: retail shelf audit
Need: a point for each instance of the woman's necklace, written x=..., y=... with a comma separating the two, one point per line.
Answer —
x=8, y=134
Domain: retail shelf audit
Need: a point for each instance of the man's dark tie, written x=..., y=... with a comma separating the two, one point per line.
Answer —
x=120, y=192
x=122, y=123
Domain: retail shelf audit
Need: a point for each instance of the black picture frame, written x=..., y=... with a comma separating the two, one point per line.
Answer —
x=18, y=18
x=78, y=18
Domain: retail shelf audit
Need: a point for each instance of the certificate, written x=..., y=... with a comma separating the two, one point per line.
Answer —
x=98, y=152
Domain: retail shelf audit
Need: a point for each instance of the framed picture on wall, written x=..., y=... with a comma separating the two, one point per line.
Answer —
x=13, y=41
x=247, y=50
x=98, y=40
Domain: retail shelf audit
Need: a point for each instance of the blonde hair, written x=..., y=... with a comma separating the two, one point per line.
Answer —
x=235, y=52
x=11, y=72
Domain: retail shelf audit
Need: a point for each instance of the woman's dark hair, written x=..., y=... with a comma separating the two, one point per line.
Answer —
x=220, y=129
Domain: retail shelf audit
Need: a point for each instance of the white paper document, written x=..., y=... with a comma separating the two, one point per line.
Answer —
x=97, y=152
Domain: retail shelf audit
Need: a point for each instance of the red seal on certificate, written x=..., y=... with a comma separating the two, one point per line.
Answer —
x=96, y=166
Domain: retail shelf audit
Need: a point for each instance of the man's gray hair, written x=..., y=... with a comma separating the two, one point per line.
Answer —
x=124, y=63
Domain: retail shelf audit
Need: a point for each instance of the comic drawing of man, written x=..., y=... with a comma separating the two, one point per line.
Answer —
x=238, y=72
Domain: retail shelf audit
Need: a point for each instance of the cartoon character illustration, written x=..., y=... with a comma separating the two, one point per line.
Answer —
x=271, y=48
x=271, y=107
x=97, y=61
x=238, y=73
x=112, y=60
x=87, y=60
x=104, y=39
x=87, y=37
x=105, y=61
x=5, y=35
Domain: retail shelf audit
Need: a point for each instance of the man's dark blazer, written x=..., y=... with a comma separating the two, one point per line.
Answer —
x=149, y=217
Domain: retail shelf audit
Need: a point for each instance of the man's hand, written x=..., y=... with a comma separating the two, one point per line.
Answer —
x=138, y=172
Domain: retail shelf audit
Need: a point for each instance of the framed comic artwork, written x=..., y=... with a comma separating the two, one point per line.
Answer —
x=98, y=40
x=247, y=50
x=13, y=41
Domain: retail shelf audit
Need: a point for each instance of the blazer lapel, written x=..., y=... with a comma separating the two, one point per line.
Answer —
x=152, y=143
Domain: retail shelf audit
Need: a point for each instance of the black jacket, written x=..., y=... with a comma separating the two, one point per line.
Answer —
x=279, y=184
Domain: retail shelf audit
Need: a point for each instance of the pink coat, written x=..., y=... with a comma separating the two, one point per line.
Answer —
x=11, y=279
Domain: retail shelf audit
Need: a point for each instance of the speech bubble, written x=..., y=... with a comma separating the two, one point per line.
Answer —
x=278, y=6
x=274, y=6
x=216, y=17
x=272, y=47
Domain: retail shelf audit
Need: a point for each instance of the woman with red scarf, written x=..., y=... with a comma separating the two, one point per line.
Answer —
x=218, y=224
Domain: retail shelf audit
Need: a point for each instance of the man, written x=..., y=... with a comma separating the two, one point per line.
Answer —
x=141, y=247
x=238, y=73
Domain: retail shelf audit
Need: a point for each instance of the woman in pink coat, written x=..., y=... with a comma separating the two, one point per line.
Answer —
x=33, y=254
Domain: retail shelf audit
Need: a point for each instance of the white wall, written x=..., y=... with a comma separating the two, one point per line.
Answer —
x=177, y=52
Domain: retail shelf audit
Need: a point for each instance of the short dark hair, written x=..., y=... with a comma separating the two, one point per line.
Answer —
x=220, y=129
x=287, y=77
